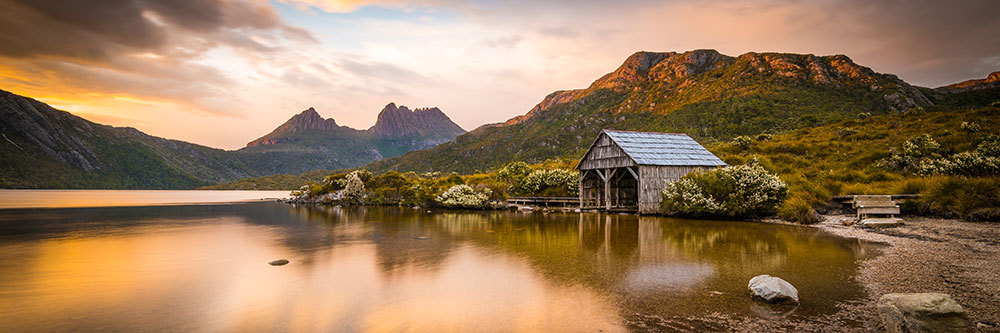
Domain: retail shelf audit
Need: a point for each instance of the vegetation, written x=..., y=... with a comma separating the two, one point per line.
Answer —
x=434, y=189
x=924, y=153
x=734, y=192
x=713, y=106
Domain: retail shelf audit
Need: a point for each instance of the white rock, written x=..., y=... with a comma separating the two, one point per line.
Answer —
x=773, y=289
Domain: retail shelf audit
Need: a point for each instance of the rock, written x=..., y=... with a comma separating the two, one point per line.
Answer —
x=773, y=289
x=922, y=312
x=279, y=262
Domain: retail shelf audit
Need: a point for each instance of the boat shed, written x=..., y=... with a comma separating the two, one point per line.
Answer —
x=627, y=171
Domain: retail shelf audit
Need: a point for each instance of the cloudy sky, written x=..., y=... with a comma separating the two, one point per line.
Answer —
x=221, y=73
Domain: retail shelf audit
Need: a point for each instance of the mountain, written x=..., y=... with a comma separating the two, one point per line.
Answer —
x=308, y=142
x=42, y=147
x=46, y=148
x=703, y=93
x=991, y=81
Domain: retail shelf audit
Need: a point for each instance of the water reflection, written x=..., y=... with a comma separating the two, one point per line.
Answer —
x=363, y=268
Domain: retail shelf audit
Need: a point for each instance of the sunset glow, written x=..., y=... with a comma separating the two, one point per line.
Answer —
x=221, y=73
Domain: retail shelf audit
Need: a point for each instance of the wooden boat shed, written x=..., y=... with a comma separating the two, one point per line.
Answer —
x=627, y=171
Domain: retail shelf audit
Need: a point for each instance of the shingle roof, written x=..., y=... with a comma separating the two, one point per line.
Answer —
x=652, y=148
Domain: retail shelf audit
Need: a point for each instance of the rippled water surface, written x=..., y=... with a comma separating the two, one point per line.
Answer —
x=205, y=268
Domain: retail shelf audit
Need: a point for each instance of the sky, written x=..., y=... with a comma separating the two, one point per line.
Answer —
x=224, y=72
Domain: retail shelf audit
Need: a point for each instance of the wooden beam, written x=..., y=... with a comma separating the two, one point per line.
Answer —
x=603, y=177
x=632, y=172
x=607, y=189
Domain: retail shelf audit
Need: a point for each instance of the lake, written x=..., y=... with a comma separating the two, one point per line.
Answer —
x=205, y=268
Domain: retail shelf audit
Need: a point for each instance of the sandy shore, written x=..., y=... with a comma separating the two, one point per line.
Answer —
x=958, y=258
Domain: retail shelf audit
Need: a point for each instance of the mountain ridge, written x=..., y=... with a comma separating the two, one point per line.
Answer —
x=991, y=81
x=704, y=93
x=43, y=147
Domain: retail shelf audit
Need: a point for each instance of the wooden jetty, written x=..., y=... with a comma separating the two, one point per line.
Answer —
x=544, y=201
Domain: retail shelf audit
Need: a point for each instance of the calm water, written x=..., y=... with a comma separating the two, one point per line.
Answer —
x=104, y=198
x=204, y=268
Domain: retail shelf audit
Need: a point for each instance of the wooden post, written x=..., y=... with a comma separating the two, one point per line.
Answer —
x=607, y=187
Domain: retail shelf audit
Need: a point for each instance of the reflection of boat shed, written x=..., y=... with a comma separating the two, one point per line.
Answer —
x=626, y=171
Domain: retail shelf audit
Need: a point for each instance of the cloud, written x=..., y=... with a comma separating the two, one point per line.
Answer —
x=139, y=48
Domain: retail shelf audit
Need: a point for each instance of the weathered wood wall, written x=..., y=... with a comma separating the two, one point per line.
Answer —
x=605, y=154
x=652, y=180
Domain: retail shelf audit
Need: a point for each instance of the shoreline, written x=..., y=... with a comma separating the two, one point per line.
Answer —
x=955, y=257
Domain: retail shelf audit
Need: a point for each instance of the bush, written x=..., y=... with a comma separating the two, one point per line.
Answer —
x=514, y=174
x=798, y=210
x=736, y=192
x=742, y=141
x=970, y=127
x=354, y=189
x=390, y=188
x=463, y=196
x=553, y=182
x=921, y=146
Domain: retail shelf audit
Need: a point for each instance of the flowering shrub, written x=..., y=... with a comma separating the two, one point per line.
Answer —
x=463, y=196
x=557, y=179
x=915, y=151
x=521, y=180
x=354, y=189
x=920, y=146
x=740, y=191
x=742, y=141
x=983, y=161
x=970, y=127
x=513, y=174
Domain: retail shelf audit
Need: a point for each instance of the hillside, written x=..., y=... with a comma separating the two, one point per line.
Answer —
x=47, y=148
x=991, y=81
x=710, y=96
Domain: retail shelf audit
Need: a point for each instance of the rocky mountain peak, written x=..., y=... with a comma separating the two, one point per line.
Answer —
x=305, y=120
x=699, y=75
x=395, y=122
x=991, y=81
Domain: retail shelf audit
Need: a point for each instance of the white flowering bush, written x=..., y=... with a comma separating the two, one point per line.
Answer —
x=917, y=151
x=921, y=146
x=463, y=196
x=741, y=191
x=983, y=161
x=560, y=179
x=354, y=188
x=742, y=141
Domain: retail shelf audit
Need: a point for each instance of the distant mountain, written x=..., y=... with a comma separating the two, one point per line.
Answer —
x=991, y=81
x=706, y=94
x=308, y=142
x=41, y=147
x=46, y=148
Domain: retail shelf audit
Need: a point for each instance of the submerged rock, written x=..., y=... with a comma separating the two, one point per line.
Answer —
x=279, y=262
x=922, y=312
x=773, y=289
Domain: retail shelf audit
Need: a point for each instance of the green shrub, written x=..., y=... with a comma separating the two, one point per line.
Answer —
x=736, y=192
x=798, y=210
x=921, y=146
x=556, y=182
x=513, y=174
x=970, y=127
x=742, y=141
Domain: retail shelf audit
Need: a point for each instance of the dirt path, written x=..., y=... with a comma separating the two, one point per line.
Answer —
x=958, y=258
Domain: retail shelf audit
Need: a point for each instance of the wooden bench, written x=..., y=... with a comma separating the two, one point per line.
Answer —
x=875, y=205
